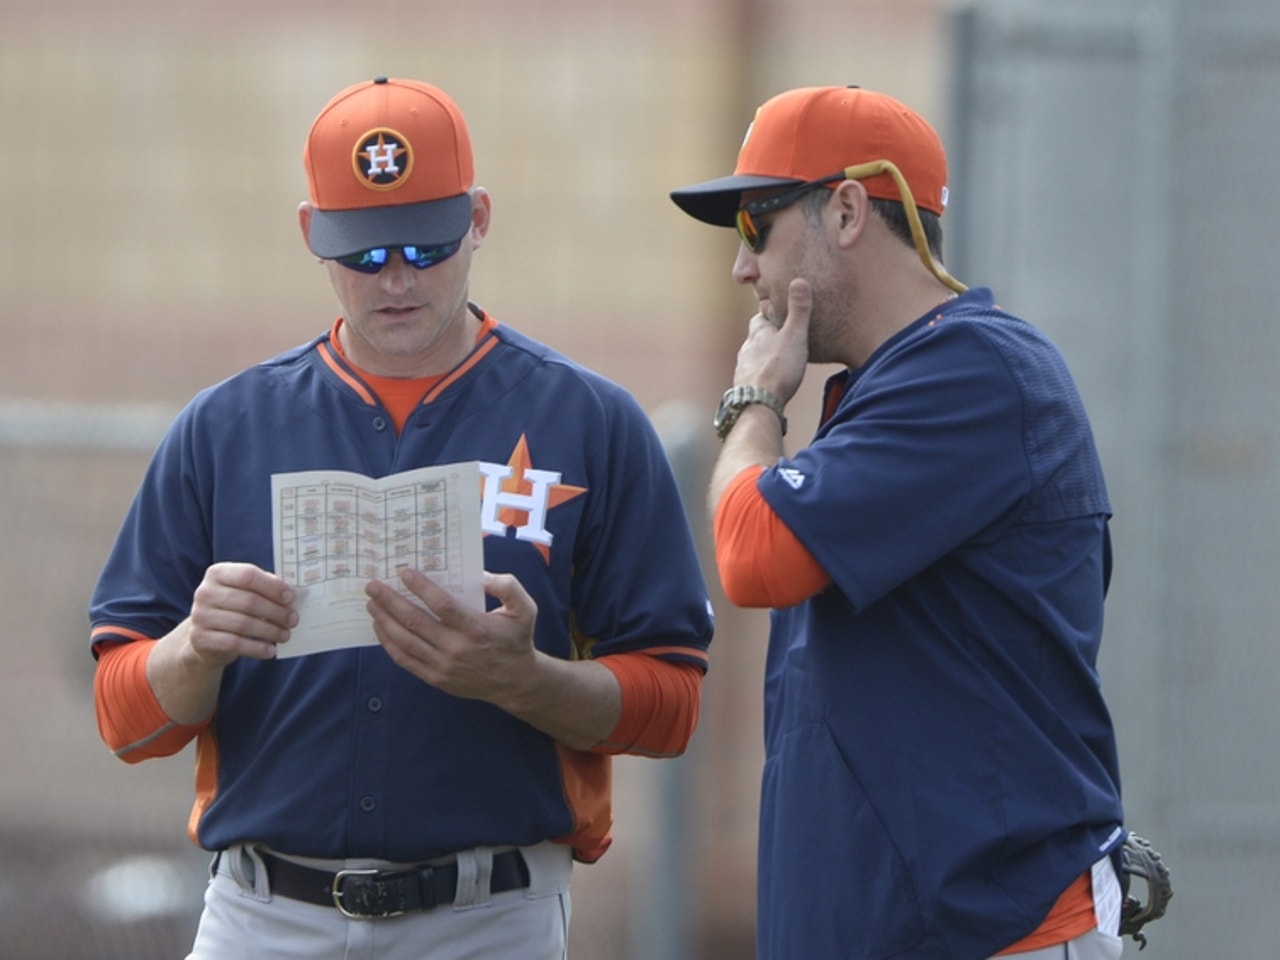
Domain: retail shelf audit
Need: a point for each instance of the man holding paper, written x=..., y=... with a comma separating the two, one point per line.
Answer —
x=424, y=795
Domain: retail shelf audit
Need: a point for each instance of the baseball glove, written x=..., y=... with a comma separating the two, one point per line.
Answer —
x=1140, y=860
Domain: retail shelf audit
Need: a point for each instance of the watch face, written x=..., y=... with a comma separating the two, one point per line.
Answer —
x=726, y=403
x=725, y=414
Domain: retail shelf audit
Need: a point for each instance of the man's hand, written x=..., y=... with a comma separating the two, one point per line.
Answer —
x=774, y=357
x=776, y=354
x=491, y=656
x=238, y=610
x=480, y=656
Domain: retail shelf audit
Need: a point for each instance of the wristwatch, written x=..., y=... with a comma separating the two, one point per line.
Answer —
x=735, y=398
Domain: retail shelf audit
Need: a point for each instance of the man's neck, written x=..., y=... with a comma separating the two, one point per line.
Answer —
x=453, y=346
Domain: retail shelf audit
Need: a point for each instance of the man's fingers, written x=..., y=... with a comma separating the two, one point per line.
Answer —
x=240, y=610
x=510, y=592
x=250, y=578
x=220, y=638
x=246, y=588
x=441, y=604
x=799, y=305
x=243, y=607
x=257, y=649
x=390, y=609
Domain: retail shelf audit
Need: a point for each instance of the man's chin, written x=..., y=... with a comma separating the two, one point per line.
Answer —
x=775, y=318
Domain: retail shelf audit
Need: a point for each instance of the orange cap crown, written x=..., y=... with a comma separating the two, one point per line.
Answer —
x=817, y=131
x=814, y=132
x=388, y=162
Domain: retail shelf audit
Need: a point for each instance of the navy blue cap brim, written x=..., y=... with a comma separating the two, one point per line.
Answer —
x=338, y=233
x=717, y=201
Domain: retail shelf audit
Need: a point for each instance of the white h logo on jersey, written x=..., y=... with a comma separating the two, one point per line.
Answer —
x=532, y=504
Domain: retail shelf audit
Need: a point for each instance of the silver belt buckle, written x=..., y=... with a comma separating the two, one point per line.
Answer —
x=339, y=883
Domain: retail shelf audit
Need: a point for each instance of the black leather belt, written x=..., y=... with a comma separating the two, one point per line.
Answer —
x=365, y=894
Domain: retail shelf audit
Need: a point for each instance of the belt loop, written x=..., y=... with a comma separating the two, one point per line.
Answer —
x=245, y=866
x=475, y=872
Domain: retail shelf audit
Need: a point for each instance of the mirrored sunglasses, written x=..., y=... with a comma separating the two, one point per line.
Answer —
x=418, y=257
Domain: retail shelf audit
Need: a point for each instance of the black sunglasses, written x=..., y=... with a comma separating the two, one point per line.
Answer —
x=418, y=257
x=752, y=232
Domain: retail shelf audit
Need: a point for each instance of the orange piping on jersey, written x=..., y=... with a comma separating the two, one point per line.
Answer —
x=382, y=389
x=761, y=562
x=346, y=377
x=206, y=780
x=1071, y=916
x=103, y=636
x=401, y=397
x=686, y=652
x=486, y=343
x=588, y=782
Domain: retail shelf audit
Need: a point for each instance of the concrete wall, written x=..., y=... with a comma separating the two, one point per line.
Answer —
x=1116, y=185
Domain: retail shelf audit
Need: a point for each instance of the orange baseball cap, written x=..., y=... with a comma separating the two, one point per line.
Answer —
x=814, y=132
x=388, y=164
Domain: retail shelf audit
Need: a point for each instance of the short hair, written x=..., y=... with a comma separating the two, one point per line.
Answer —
x=894, y=214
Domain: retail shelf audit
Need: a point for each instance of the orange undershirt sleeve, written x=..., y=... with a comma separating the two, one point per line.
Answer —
x=130, y=718
x=659, y=705
x=761, y=562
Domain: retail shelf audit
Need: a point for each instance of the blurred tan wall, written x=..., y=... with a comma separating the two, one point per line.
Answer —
x=150, y=170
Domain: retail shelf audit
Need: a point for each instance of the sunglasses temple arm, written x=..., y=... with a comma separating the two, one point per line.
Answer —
x=913, y=218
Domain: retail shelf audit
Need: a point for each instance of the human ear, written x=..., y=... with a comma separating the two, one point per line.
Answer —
x=481, y=215
x=304, y=222
x=852, y=207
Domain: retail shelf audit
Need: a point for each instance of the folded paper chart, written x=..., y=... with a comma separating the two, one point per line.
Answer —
x=334, y=531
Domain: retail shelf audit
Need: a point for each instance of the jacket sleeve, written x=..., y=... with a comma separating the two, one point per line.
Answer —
x=760, y=561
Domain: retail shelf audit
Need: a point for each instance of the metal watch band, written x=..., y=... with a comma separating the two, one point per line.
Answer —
x=737, y=398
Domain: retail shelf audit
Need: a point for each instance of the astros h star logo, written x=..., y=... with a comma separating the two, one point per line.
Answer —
x=382, y=159
x=516, y=496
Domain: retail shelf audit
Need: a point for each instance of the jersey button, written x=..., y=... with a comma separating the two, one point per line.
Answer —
x=379, y=423
x=374, y=704
x=367, y=804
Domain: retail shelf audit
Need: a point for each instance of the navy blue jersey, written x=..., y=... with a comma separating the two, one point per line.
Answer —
x=343, y=754
x=940, y=764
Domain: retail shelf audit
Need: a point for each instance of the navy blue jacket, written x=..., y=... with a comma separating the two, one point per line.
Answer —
x=940, y=764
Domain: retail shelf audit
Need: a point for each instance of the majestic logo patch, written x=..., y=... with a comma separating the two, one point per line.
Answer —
x=382, y=159
x=517, y=496
x=793, y=477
